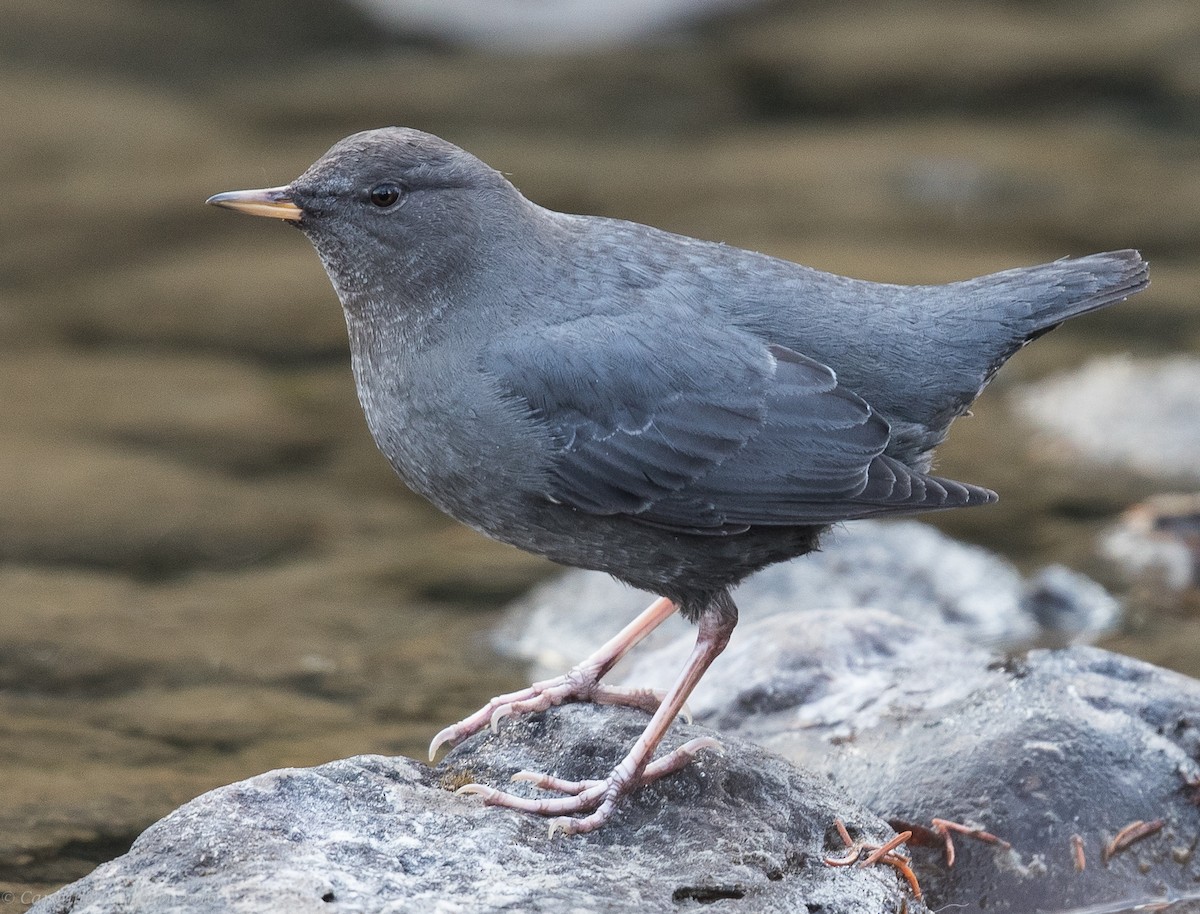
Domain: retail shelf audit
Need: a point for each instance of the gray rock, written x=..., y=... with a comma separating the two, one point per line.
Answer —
x=1063, y=749
x=801, y=686
x=918, y=725
x=1140, y=416
x=907, y=568
x=1078, y=742
x=1067, y=604
x=742, y=829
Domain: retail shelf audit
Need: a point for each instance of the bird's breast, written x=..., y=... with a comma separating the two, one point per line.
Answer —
x=453, y=438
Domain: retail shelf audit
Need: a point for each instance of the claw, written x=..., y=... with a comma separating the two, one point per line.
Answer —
x=498, y=715
x=588, y=804
x=686, y=713
x=694, y=747
x=579, y=684
x=475, y=790
x=442, y=737
x=586, y=799
x=599, y=796
x=679, y=758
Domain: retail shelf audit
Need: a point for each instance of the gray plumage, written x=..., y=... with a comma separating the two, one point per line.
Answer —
x=675, y=412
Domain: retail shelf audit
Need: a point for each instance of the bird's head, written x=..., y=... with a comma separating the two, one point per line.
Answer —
x=391, y=210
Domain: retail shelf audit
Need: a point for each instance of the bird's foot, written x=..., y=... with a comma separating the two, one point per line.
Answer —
x=580, y=684
x=598, y=797
x=589, y=804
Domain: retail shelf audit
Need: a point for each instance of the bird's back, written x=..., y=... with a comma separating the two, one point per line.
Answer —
x=919, y=355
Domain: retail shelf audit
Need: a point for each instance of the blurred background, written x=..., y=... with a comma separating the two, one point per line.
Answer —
x=207, y=571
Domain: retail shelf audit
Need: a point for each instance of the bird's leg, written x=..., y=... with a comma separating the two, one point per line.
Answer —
x=603, y=794
x=582, y=683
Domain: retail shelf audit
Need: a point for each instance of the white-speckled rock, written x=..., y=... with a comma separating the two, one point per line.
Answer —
x=1056, y=750
x=798, y=686
x=742, y=830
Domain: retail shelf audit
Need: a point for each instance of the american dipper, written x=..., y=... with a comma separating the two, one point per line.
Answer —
x=674, y=412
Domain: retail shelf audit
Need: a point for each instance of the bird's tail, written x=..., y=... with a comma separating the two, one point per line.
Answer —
x=983, y=321
x=1030, y=301
x=1055, y=292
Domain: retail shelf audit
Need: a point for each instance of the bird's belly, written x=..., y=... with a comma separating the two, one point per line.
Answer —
x=488, y=467
x=688, y=568
x=495, y=501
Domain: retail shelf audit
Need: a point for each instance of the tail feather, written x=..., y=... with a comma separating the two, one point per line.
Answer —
x=895, y=488
x=1073, y=286
x=942, y=344
x=1031, y=301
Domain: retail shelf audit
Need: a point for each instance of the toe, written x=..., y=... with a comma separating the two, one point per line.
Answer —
x=677, y=759
x=549, y=782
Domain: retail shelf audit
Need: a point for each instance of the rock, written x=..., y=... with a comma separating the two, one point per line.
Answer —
x=1070, y=605
x=742, y=829
x=907, y=568
x=920, y=725
x=1084, y=764
x=1135, y=415
x=800, y=685
x=1058, y=749
x=566, y=24
x=1158, y=542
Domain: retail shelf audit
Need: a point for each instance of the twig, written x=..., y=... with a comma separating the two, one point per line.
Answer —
x=1077, y=853
x=1131, y=833
x=876, y=854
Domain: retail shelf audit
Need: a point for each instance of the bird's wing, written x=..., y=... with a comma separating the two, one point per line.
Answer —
x=706, y=431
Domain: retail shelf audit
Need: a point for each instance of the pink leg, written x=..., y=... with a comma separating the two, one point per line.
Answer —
x=636, y=769
x=582, y=683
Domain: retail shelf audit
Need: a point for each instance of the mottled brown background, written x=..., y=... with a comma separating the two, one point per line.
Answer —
x=206, y=570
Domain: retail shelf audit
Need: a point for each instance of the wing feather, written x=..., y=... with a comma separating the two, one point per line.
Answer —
x=719, y=434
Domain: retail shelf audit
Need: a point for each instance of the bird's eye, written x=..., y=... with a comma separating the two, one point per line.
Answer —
x=385, y=195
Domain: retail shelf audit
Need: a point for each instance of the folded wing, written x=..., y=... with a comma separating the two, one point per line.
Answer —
x=712, y=433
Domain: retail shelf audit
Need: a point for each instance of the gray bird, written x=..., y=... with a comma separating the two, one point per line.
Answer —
x=674, y=412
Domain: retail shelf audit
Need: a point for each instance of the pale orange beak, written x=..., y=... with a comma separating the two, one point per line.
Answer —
x=272, y=202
